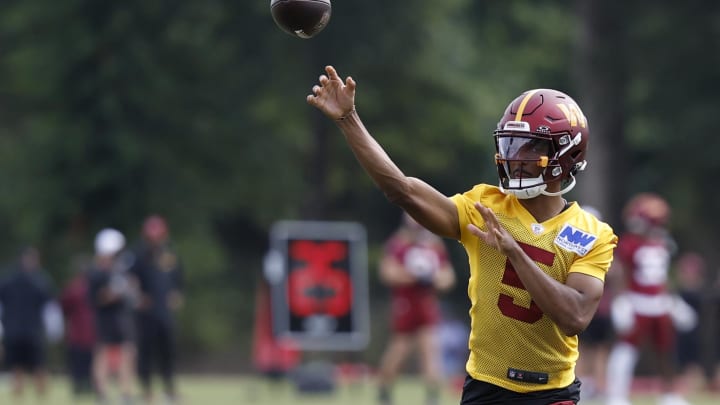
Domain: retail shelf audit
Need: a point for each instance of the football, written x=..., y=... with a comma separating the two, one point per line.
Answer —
x=301, y=18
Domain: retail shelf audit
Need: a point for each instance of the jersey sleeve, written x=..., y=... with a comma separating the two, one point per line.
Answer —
x=597, y=262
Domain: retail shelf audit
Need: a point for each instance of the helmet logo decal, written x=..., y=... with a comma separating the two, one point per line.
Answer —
x=523, y=104
x=517, y=126
x=573, y=114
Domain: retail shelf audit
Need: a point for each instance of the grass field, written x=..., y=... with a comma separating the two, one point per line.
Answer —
x=241, y=390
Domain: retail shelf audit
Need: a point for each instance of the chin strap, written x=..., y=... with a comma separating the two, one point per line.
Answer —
x=534, y=191
x=535, y=188
x=567, y=188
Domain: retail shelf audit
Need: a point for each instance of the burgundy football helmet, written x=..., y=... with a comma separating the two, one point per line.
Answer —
x=645, y=211
x=546, y=128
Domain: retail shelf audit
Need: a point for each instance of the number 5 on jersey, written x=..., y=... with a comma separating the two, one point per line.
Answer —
x=506, y=303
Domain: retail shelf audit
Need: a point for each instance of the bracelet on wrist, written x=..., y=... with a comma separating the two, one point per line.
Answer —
x=344, y=117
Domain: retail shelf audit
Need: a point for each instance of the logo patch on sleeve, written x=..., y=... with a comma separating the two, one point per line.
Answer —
x=575, y=240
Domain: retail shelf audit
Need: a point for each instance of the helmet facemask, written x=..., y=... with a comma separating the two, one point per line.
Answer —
x=520, y=152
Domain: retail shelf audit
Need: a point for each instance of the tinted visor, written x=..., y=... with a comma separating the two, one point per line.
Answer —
x=523, y=148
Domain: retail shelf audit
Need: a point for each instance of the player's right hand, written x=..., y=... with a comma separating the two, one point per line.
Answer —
x=496, y=236
x=332, y=96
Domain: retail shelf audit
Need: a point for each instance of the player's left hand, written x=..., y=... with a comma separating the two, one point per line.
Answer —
x=496, y=236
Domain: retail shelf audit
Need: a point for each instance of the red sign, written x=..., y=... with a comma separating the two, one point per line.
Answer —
x=319, y=283
x=318, y=274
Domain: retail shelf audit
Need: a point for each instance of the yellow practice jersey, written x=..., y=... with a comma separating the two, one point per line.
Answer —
x=512, y=343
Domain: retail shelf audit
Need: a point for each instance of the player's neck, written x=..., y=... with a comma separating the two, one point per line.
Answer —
x=544, y=207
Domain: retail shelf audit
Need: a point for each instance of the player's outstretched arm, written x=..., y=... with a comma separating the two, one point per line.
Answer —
x=435, y=211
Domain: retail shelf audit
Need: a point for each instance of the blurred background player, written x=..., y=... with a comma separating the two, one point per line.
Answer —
x=452, y=334
x=159, y=273
x=24, y=296
x=273, y=357
x=415, y=266
x=691, y=281
x=80, y=330
x=112, y=296
x=713, y=321
x=642, y=313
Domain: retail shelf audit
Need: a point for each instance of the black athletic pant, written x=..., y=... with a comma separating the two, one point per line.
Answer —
x=79, y=362
x=482, y=393
x=156, y=348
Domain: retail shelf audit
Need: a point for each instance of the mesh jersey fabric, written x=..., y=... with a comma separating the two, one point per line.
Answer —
x=508, y=330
